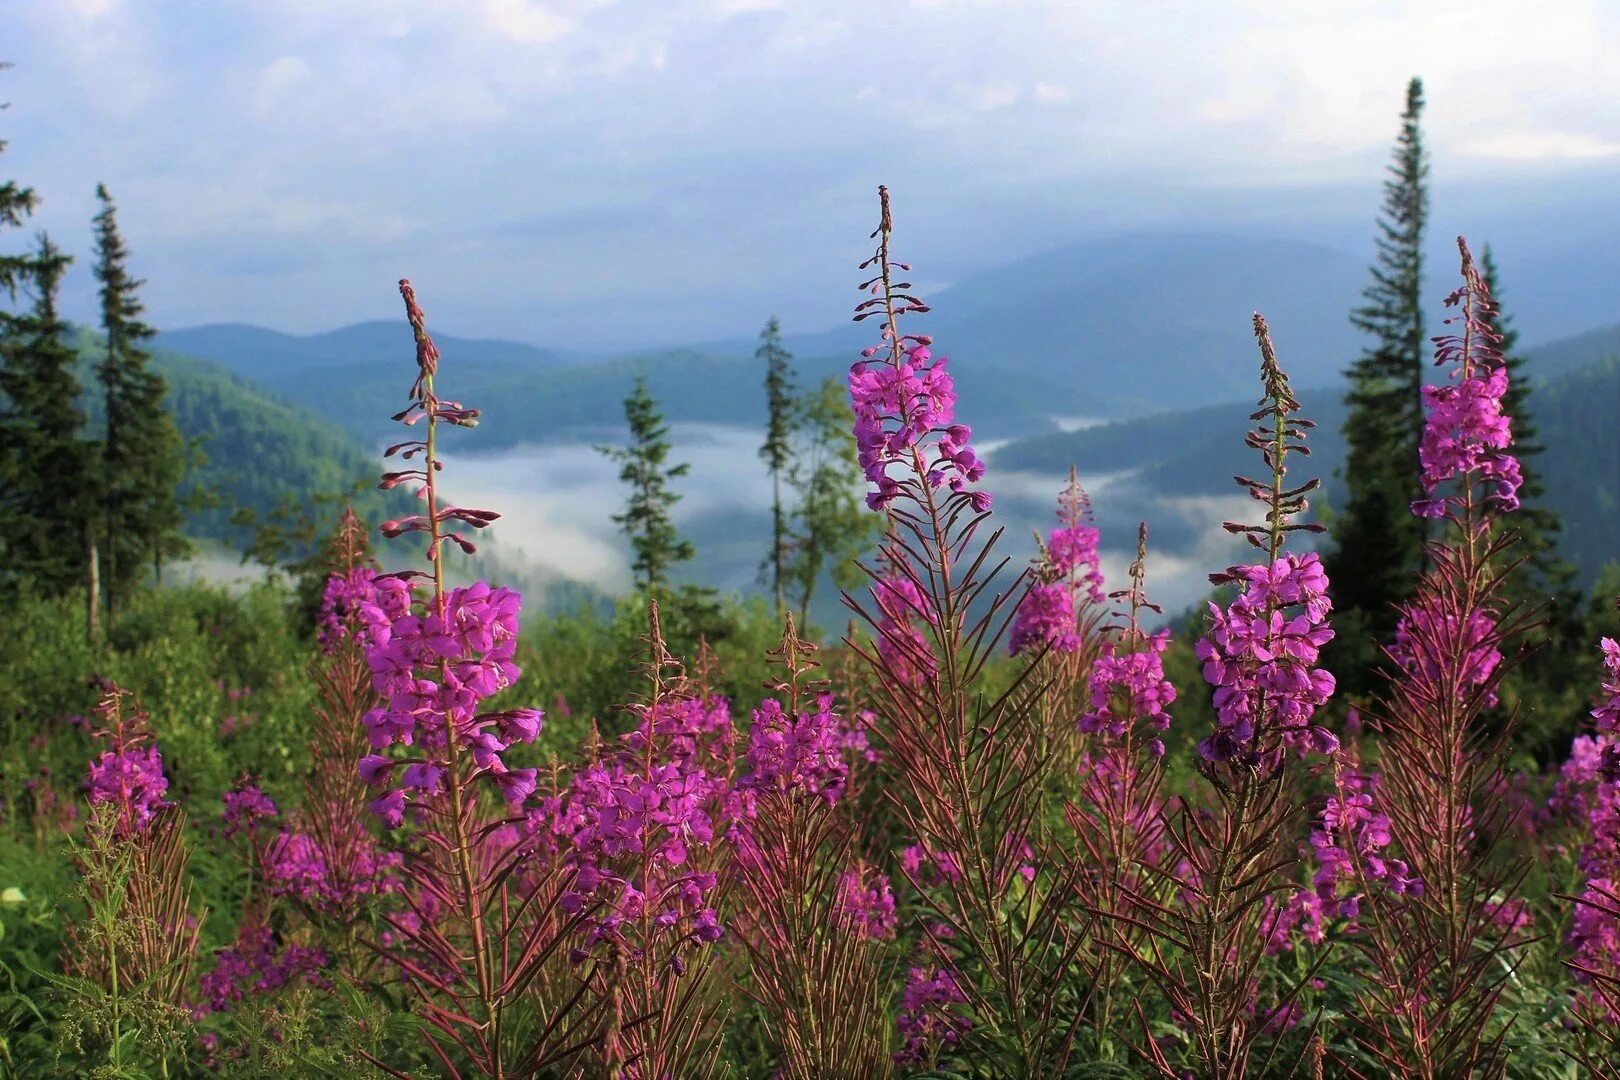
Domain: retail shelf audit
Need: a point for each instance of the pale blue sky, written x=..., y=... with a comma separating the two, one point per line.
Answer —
x=613, y=171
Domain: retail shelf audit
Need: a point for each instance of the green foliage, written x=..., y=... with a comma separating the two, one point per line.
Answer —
x=582, y=666
x=646, y=520
x=48, y=479
x=831, y=526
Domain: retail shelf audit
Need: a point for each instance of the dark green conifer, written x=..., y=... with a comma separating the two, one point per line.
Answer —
x=656, y=544
x=831, y=525
x=143, y=455
x=1538, y=526
x=50, y=496
x=777, y=451
x=1378, y=541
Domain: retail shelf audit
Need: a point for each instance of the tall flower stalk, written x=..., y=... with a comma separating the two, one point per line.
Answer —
x=480, y=917
x=1590, y=785
x=1227, y=864
x=329, y=862
x=964, y=766
x=811, y=921
x=130, y=961
x=640, y=822
x=1060, y=619
x=1443, y=954
x=1116, y=813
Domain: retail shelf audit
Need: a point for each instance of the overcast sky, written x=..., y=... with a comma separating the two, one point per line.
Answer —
x=605, y=172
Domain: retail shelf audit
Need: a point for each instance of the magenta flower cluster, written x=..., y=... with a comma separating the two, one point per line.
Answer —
x=344, y=597
x=434, y=669
x=899, y=402
x=1260, y=653
x=797, y=754
x=930, y=1017
x=246, y=807
x=131, y=778
x=296, y=866
x=865, y=904
x=1348, y=846
x=902, y=643
x=1045, y=619
x=1073, y=551
x=1467, y=431
x=632, y=821
x=1588, y=794
x=257, y=964
x=1136, y=677
x=1607, y=715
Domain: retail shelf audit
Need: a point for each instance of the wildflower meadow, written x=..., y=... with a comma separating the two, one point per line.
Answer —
x=1012, y=819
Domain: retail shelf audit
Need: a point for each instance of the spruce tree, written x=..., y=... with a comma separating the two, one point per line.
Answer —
x=656, y=544
x=16, y=204
x=50, y=497
x=143, y=458
x=1378, y=540
x=777, y=450
x=1538, y=526
x=831, y=523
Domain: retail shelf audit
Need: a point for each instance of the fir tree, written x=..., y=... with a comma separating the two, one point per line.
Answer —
x=777, y=450
x=143, y=456
x=1538, y=690
x=16, y=205
x=1538, y=526
x=50, y=496
x=1378, y=540
x=831, y=524
x=646, y=518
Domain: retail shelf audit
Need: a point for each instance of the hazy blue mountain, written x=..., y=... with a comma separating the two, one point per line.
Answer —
x=1198, y=451
x=1576, y=415
x=1114, y=327
x=280, y=361
x=260, y=447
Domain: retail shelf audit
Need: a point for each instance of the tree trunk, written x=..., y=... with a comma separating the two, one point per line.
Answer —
x=92, y=614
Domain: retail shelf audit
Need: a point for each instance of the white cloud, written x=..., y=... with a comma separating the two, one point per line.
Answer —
x=525, y=21
x=747, y=132
x=1538, y=146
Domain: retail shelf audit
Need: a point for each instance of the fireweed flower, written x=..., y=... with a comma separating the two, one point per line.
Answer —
x=633, y=821
x=296, y=866
x=257, y=964
x=1261, y=649
x=865, y=903
x=1588, y=792
x=1260, y=654
x=1466, y=431
x=1423, y=637
x=930, y=1017
x=1136, y=678
x=1348, y=847
x=1607, y=715
x=129, y=775
x=1045, y=619
x=434, y=670
x=800, y=753
x=245, y=808
x=343, y=596
x=903, y=396
x=1068, y=576
x=902, y=641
